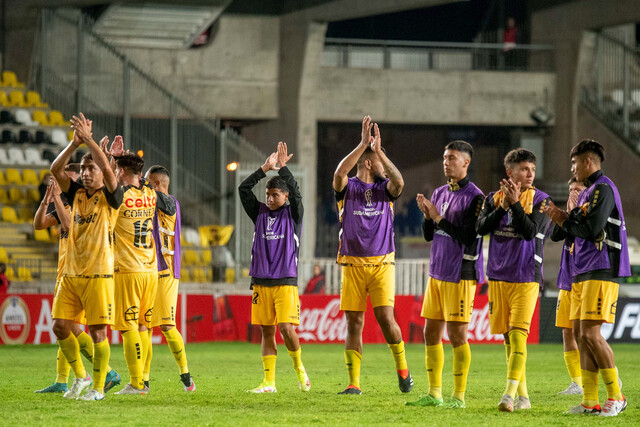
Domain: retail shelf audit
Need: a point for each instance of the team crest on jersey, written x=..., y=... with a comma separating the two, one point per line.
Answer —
x=443, y=208
x=367, y=197
x=509, y=217
x=270, y=222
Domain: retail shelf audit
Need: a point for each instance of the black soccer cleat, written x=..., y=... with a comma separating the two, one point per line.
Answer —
x=351, y=390
x=187, y=382
x=405, y=384
x=146, y=384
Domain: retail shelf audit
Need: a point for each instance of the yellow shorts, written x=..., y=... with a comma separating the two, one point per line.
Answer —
x=358, y=281
x=271, y=305
x=92, y=295
x=563, y=310
x=511, y=305
x=81, y=319
x=451, y=302
x=164, y=307
x=134, y=297
x=594, y=300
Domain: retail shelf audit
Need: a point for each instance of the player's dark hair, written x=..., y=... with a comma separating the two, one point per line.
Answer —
x=87, y=157
x=72, y=167
x=588, y=146
x=574, y=179
x=518, y=155
x=130, y=161
x=459, y=145
x=368, y=153
x=159, y=169
x=279, y=183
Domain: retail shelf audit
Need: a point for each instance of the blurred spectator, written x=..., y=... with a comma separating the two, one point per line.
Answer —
x=316, y=283
x=509, y=40
x=4, y=281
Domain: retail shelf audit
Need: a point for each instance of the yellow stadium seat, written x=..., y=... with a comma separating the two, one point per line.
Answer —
x=13, y=177
x=33, y=195
x=16, y=99
x=57, y=119
x=4, y=196
x=9, y=215
x=184, y=275
x=209, y=274
x=25, y=214
x=41, y=117
x=191, y=258
x=10, y=79
x=33, y=100
x=3, y=256
x=24, y=274
x=2, y=181
x=230, y=275
x=41, y=235
x=206, y=258
x=4, y=100
x=70, y=135
x=29, y=177
x=199, y=276
x=11, y=275
x=43, y=172
x=16, y=195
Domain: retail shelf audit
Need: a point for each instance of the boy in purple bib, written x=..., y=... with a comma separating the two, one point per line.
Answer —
x=274, y=264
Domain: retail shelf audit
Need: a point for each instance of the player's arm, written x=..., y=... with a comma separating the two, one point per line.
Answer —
x=396, y=182
x=341, y=175
x=466, y=234
x=249, y=201
x=590, y=224
x=490, y=216
x=43, y=218
x=63, y=216
x=165, y=203
x=295, y=198
x=557, y=233
x=529, y=225
x=57, y=167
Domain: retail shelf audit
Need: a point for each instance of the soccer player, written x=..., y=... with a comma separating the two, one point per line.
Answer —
x=166, y=235
x=367, y=252
x=87, y=283
x=274, y=264
x=54, y=210
x=563, y=308
x=455, y=268
x=514, y=217
x=601, y=258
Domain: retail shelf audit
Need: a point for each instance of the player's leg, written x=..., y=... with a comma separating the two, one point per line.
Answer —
x=570, y=347
x=263, y=313
x=149, y=286
x=287, y=305
x=353, y=301
x=86, y=349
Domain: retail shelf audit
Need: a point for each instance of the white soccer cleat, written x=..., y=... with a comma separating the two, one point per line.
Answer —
x=613, y=408
x=506, y=403
x=521, y=403
x=303, y=380
x=573, y=388
x=581, y=409
x=129, y=389
x=91, y=395
x=263, y=388
x=79, y=384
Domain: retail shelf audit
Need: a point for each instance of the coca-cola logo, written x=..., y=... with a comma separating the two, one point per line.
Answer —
x=323, y=324
x=479, y=326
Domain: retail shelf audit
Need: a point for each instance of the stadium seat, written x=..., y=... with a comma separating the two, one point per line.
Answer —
x=4, y=159
x=33, y=195
x=199, y=276
x=4, y=100
x=33, y=157
x=25, y=137
x=33, y=100
x=14, y=177
x=3, y=256
x=30, y=177
x=49, y=156
x=184, y=275
x=41, y=117
x=10, y=79
x=24, y=274
x=191, y=257
x=59, y=137
x=7, y=117
x=25, y=214
x=208, y=274
x=43, y=172
x=207, y=259
x=2, y=180
x=16, y=195
x=24, y=118
x=43, y=137
x=4, y=196
x=8, y=137
x=16, y=156
x=41, y=235
x=16, y=99
x=11, y=275
x=9, y=215
x=70, y=135
x=57, y=119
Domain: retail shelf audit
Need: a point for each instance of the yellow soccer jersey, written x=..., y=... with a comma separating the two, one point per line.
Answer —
x=90, y=244
x=167, y=236
x=135, y=250
x=62, y=247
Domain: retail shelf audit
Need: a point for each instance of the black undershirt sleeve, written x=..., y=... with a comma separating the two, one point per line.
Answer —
x=249, y=201
x=528, y=225
x=490, y=217
x=71, y=192
x=558, y=234
x=466, y=234
x=166, y=204
x=295, y=197
x=114, y=199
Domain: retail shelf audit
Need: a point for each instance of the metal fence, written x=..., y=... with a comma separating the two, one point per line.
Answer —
x=76, y=70
x=612, y=91
x=423, y=56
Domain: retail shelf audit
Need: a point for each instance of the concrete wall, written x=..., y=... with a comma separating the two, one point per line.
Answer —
x=431, y=97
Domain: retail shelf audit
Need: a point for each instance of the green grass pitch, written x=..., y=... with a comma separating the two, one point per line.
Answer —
x=224, y=371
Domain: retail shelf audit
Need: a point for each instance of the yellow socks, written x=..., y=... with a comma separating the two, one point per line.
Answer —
x=269, y=365
x=86, y=346
x=610, y=379
x=461, y=363
x=146, y=352
x=133, y=355
x=147, y=362
x=176, y=345
x=101, y=355
x=434, y=359
x=522, y=386
x=62, y=368
x=572, y=360
x=352, y=359
x=590, y=388
x=71, y=351
x=517, y=360
x=296, y=357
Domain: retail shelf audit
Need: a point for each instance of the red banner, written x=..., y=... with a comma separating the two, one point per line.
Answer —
x=26, y=318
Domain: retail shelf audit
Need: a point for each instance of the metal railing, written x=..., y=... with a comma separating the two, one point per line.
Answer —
x=76, y=70
x=612, y=91
x=424, y=56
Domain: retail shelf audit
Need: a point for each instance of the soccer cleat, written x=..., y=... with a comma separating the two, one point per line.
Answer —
x=146, y=384
x=187, y=382
x=581, y=409
x=112, y=380
x=129, y=389
x=521, y=403
x=351, y=390
x=91, y=395
x=78, y=385
x=506, y=404
x=54, y=388
x=303, y=380
x=427, y=400
x=613, y=408
x=405, y=382
x=454, y=403
x=263, y=388
x=573, y=388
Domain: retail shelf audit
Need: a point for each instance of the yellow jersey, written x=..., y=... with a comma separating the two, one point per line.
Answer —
x=167, y=229
x=62, y=246
x=90, y=243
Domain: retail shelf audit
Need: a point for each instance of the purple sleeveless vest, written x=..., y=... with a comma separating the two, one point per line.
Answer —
x=274, y=254
x=586, y=254
x=446, y=253
x=511, y=258
x=162, y=265
x=565, y=274
x=367, y=220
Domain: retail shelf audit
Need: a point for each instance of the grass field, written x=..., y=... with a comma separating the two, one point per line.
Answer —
x=223, y=371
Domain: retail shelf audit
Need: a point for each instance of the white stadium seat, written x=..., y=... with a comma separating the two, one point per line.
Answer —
x=58, y=136
x=4, y=160
x=24, y=117
x=16, y=156
x=33, y=157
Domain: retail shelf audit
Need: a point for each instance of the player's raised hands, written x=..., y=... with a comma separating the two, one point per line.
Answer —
x=55, y=188
x=556, y=214
x=283, y=158
x=428, y=209
x=270, y=163
x=366, y=131
x=511, y=192
x=376, y=141
x=117, y=147
x=82, y=128
x=572, y=203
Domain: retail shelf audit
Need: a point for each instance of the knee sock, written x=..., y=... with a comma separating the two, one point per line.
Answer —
x=101, y=355
x=522, y=386
x=590, y=388
x=269, y=365
x=86, y=346
x=147, y=361
x=176, y=345
x=62, y=368
x=146, y=348
x=517, y=360
x=399, y=356
x=352, y=359
x=133, y=356
x=296, y=357
x=435, y=362
x=71, y=351
x=572, y=360
x=461, y=363
x=610, y=379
